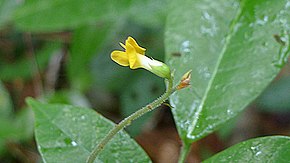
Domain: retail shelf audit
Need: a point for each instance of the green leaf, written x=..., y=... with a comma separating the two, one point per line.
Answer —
x=7, y=7
x=265, y=149
x=55, y=15
x=70, y=97
x=85, y=44
x=230, y=48
x=23, y=123
x=18, y=129
x=5, y=102
x=276, y=97
x=66, y=133
x=7, y=131
x=150, y=13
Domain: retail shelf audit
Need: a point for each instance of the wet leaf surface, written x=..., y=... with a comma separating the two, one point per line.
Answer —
x=66, y=133
x=231, y=47
x=265, y=149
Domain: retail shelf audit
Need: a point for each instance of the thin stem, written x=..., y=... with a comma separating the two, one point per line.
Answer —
x=127, y=121
x=184, y=152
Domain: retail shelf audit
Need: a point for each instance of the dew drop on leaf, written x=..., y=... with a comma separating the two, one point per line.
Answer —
x=73, y=143
x=185, y=46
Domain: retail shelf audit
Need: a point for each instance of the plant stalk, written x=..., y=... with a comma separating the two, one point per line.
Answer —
x=127, y=121
x=184, y=152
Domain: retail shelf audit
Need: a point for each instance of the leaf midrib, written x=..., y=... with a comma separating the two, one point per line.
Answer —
x=51, y=122
x=222, y=53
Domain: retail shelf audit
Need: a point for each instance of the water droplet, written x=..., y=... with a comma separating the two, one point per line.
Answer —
x=256, y=149
x=83, y=117
x=209, y=26
x=262, y=21
x=230, y=112
x=258, y=153
x=206, y=15
x=209, y=127
x=68, y=141
x=204, y=72
x=73, y=143
x=211, y=31
x=185, y=46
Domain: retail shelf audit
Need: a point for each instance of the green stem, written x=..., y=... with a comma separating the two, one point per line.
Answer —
x=184, y=152
x=127, y=121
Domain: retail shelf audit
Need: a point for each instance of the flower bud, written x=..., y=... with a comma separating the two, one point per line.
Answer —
x=185, y=80
x=160, y=69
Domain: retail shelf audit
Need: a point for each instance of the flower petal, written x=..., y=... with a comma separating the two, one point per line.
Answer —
x=120, y=57
x=138, y=49
x=132, y=56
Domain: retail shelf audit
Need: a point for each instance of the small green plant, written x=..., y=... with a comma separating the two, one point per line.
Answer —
x=219, y=56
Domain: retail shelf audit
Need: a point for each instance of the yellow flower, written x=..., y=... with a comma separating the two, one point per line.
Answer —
x=134, y=56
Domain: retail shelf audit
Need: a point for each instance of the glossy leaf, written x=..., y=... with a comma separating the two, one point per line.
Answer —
x=66, y=133
x=234, y=49
x=265, y=149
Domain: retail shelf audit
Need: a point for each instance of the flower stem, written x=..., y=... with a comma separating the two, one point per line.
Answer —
x=184, y=152
x=127, y=121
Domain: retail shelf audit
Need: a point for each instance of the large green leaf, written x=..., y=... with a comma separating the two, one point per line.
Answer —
x=234, y=48
x=85, y=44
x=265, y=149
x=66, y=14
x=66, y=133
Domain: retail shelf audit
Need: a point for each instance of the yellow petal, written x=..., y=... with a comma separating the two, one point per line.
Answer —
x=138, y=49
x=132, y=56
x=120, y=57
